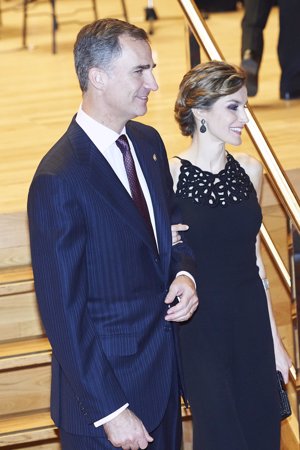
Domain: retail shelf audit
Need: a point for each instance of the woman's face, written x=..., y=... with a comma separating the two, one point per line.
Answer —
x=225, y=120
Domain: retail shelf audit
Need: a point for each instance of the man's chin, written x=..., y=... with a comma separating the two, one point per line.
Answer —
x=141, y=111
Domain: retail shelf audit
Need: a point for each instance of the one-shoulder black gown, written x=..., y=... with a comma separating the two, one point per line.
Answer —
x=227, y=347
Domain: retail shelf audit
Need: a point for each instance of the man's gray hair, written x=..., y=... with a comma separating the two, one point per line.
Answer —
x=97, y=45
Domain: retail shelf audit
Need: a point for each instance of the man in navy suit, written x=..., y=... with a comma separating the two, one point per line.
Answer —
x=106, y=276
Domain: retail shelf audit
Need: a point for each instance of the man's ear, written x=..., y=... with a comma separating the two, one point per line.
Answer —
x=97, y=77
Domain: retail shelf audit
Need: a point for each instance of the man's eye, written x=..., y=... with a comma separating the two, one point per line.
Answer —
x=233, y=107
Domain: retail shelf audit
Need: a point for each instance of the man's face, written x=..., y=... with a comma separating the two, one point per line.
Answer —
x=129, y=82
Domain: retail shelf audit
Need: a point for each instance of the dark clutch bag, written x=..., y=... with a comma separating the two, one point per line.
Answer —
x=285, y=407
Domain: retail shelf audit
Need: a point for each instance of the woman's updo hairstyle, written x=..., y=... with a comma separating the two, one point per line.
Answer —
x=202, y=86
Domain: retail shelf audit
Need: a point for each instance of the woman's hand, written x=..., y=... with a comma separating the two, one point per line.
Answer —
x=175, y=229
x=283, y=361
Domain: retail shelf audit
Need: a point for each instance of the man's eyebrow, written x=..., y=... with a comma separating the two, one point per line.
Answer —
x=144, y=67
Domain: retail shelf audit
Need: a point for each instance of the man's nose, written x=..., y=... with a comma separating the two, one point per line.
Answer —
x=151, y=82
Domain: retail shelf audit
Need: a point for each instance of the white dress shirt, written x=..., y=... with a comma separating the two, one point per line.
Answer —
x=105, y=140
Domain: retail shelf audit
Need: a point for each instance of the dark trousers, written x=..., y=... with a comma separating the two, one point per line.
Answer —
x=216, y=5
x=253, y=23
x=289, y=44
x=256, y=13
x=167, y=436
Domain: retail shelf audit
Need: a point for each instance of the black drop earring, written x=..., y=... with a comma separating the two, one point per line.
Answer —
x=203, y=127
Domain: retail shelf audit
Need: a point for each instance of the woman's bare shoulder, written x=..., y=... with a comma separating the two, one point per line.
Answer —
x=253, y=167
x=175, y=163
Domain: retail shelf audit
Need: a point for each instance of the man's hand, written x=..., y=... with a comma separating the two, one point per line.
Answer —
x=127, y=431
x=175, y=229
x=182, y=288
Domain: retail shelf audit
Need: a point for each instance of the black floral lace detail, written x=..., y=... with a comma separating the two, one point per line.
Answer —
x=231, y=185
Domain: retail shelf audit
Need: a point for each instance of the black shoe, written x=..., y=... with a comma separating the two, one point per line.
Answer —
x=290, y=95
x=250, y=65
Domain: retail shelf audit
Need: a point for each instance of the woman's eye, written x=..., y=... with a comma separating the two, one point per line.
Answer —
x=233, y=107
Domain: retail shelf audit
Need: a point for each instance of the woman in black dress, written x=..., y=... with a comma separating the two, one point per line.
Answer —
x=230, y=346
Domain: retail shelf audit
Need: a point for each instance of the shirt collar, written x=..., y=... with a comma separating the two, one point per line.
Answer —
x=102, y=136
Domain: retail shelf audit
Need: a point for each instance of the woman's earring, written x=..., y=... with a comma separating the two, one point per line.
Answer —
x=203, y=127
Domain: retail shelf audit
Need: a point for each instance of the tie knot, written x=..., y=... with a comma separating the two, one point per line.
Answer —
x=122, y=143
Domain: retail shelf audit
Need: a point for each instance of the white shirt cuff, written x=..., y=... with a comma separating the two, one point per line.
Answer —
x=187, y=274
x=110, y=416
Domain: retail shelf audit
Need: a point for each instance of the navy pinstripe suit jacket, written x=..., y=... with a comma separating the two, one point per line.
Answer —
x=100, y=282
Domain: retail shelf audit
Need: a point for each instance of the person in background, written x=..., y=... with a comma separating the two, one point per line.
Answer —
x=256, y=13
x=216, y=6
x=204, y=8
x=100, y=210
x=231, y=347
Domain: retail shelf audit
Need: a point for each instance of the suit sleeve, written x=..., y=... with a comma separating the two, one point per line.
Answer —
x=58, y=239
x=182, y=254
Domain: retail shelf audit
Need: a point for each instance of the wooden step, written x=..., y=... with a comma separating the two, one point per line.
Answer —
x=25, y=395
x=47, y=444
x=23, y=353
x=15, y=280
x=14, y=240
x=25, y=428
x=25, y=389
x=19, y=316
x=290, y=434
x=25, y=376
x=19, y=313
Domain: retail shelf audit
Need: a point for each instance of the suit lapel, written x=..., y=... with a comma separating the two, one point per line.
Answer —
x=149, y=163
x=104, y=180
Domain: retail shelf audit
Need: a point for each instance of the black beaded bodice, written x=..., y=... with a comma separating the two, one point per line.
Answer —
x=231, y=185
x=224, y=218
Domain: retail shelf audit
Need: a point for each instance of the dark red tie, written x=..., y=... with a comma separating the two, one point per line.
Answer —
x=134, y=184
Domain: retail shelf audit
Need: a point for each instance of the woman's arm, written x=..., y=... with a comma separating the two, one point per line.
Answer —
x=283, y=362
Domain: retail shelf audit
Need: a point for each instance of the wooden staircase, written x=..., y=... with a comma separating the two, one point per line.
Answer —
x=25, y=352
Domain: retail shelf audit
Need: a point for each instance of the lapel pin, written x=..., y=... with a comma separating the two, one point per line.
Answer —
x=154, y=157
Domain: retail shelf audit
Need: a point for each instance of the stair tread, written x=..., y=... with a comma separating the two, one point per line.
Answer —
x=25, y=422
x=20, y=428
x=14, y=274
x=16, y=280
x=24, y=352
